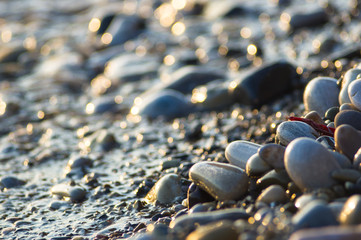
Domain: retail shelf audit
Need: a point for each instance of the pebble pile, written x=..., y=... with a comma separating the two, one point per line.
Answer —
x=180, y=119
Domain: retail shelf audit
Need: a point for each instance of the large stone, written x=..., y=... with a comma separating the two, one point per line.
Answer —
x=321, y=94
x=222, y=181
x=354, y=93
x=309, y=164
x=348, y=140
x=349, y=117
x=349, y=77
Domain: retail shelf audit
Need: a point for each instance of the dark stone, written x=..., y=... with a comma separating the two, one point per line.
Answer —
x=196, y=195
x=265, y=84
x=313, y=18
x=349, y=117
x=331, y=113
x=11, y=182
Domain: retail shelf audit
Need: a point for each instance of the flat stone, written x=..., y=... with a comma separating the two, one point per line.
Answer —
x=187, y=223
x=314, y=215
x=309, y=164
x=328, y=233
x=273, y=155
x=215, y=231
x=238, y=152
x=349, y=117
x=166, y=190
x=351, y=212
x=320, y=94
x=348, y=140
x=256, y=166
x=274, y=193
x=290, y=130
x=349, y=77
x=220, y=180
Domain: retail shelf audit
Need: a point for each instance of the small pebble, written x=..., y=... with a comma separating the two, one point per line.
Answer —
x=11, y=182
x=290, y=130
x=75, y=194
x=273, y=155
x=349, y=117
x=256, y=166
x=166, y=190
x=348, y=140
x=215, y=231
x=351, y=212
x=328, y=233
x=274, y=193
x=349, y=77
x=238, y=152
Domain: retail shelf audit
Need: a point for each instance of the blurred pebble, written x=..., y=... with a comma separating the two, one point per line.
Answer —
x=215, y=231
x=76, y=194
x=256, y=166
x=348, y=140
x=273, y=155
x=273, y=193
x=11, y=182
x=351, y=212
x=166, y=190
x=349, y=117
x=238, y=152
x=349, y=77
x=328, y=233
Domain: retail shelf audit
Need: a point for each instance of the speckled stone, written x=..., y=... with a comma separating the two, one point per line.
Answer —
x=351, y=212
x=349, y=117
x=273, y=155
x=320, y=94
x=222, y=181
x=348, y=140
x=309, y=164
x=238, y=152
x=166, y=190
x=290, y=130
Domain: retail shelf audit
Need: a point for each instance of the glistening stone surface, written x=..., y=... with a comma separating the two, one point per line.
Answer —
x=222, y=181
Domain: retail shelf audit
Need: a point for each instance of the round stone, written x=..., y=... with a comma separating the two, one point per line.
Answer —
x=220, y=180
x=320, y=94
x=75, y=194
x=350, y=76
x=331, y=113
x=351, y=212
x=309, y=164
x=290, y=130
x=238, y=152
x=349, y=117
x=11, y=182
x=348, y=140
x=166, y=190
x=273, y=155
x=314, y=116
x=274, y=193
x=256, y=166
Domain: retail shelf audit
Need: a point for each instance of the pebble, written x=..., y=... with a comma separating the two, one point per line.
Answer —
x=168, y=104
x=264, y=84
x=348, y=140
x=314, y=215
x=256, y=166
x=273, y=193
x=238, y=152
x=309, y=164
x=11, y=182
x=344, y=175
x=56, y=205
x=167, y=190
x=75, y=194
x=187, y=223
x=320, y=94
x=290, y=130
x=103, y=105
x=185, y=79
x=222, y=181
x=342, y=160
x=328, y=233
x=349, y=77
x=310, y=18
x=351, y=212
x=327, y=141
x=196, y=195
x=279, y=177
x=215, y=231
x=349, y=117
x=357, y=160
x=354, y=95
x=331, y=113
x=273, y=155
x=314, y=116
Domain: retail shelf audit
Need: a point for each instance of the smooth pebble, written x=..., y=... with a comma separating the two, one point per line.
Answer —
x=273, y=155
x=290, y=130
x=238, y=152
x=166, y=190
x=348, y=140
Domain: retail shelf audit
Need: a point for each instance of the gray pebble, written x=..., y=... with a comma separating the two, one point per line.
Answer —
x=222, y=181
x=166, y=190
x=290, y=130
x=349, y=77
x=328, y=233
x=11, y=182
x=75, y=194
x=215, y=231
x=327, y=141
x=273, y=154
x=256, y=166
x=344, y=175
x=350, y=117
x=348, y=140
x=321, y=94
x=274, y=193
x=238, y=152
x=309, y=164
